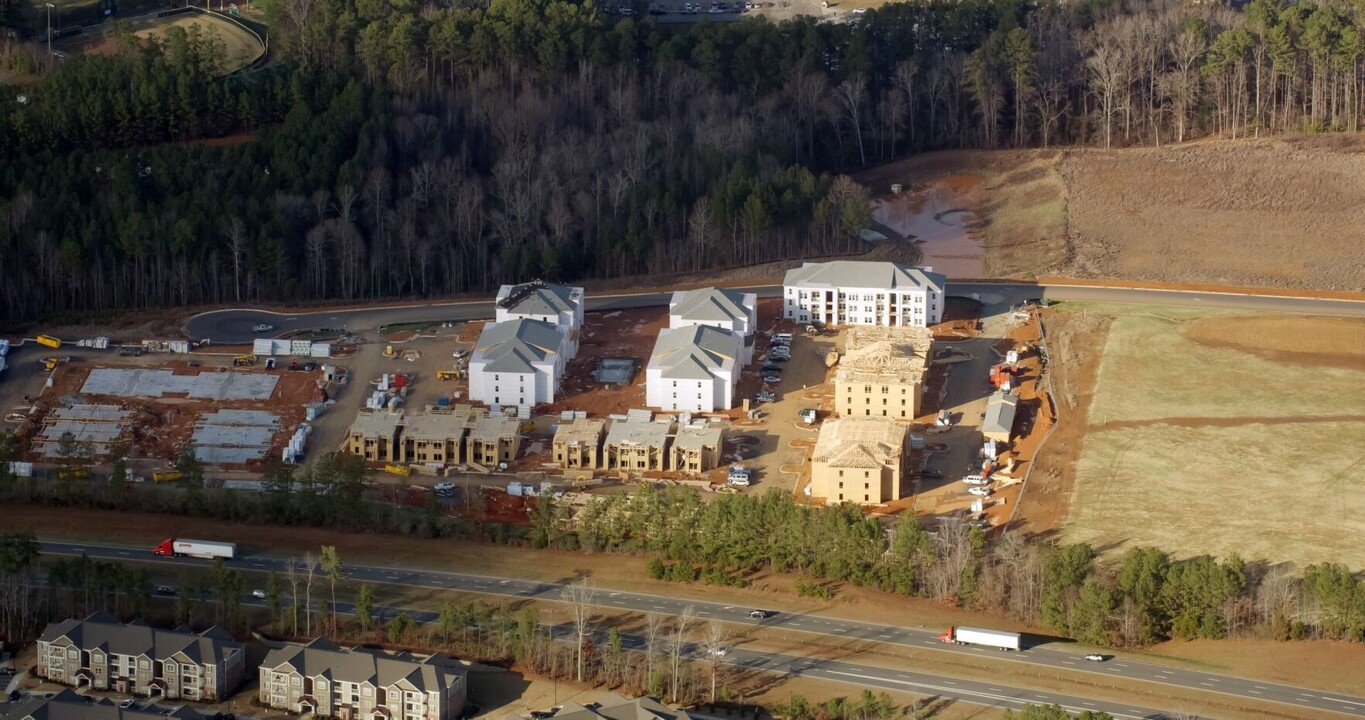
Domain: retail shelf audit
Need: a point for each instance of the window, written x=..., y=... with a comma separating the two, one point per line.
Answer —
x=841, y=496
x=841, y=486
x=865, y=499
x=295, y=680
x=867, y=473
x=866, y=486
x=841, y=473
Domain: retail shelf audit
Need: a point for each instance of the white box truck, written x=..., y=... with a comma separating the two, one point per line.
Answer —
x=977, y=636
x=204, y=549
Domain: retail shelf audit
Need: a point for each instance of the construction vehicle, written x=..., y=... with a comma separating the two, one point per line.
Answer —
x=1001, y=376
x=810, y=416
x=50, y=363
x=244, y=361
x=49, y=341
x=166, y=476
x=447, y=374
x=73, y=474
x=400, y=470
x=204, y=549
x=978, y=636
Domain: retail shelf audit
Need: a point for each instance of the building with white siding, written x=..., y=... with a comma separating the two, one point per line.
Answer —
x=693, y=369
x=720, y=308
x=559, y=305
x=856, y=292
x=518, y=362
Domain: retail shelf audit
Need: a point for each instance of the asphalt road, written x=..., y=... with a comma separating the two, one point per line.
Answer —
x=232, y=327
x=1047, y=654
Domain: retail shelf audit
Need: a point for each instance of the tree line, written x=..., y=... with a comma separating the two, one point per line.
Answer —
x=411, y=149
x=1140, y=597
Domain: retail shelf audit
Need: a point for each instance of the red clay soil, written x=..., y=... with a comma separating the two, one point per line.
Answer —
x=1205, y=287
x=159, y=427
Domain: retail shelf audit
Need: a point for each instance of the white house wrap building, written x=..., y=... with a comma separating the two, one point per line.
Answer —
x=724, y=309
x=857, y=292
x=693, y=369
x=559, y=305
x=518, y=362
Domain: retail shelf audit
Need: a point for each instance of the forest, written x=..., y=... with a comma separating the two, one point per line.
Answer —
x=396, y=148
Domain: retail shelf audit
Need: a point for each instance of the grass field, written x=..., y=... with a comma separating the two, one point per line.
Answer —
x=1224, y=432
x=240, y=47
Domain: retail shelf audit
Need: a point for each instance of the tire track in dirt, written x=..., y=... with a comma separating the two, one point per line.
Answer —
x=1195, y=422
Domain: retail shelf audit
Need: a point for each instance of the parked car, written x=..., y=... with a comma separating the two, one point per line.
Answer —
x=720, y=652
x=772, y=379
x=127, y=703
x=1095, y=657
x=739, y=475
x=165, y=590
x=779, y=358
x=771, y=366
x=310, y=366
x=14, y=695
x=765, y=396
x=979, y=491
x=258, y=594
x=976, y=480
x=931, y=473
x=6, y=671
x=445, y=487
x=263, y=328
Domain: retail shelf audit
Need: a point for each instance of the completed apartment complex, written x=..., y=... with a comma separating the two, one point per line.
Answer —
x=104, y=654
x=329, y=681
x=856, y=292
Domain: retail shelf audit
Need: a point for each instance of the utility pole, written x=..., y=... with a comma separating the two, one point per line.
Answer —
x=49, y=27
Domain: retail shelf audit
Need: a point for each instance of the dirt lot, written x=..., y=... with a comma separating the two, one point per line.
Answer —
x=1284, y=212
x=1213, y=420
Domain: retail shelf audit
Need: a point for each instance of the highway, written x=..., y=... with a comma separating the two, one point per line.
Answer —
x=1048, y=654
x=231, y=327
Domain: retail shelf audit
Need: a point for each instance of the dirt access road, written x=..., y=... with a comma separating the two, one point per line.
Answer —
x=1277, y=212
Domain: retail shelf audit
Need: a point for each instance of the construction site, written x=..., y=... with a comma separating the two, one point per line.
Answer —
x=235, y=418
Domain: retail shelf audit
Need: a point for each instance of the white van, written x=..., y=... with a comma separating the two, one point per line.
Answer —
x=739, y=475
x=783, y=338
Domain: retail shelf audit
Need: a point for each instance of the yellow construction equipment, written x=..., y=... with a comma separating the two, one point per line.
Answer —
x=166, y=476
x=71, y=474
x=388, y=351
x=401, y=470
x=49, y=341
x=447, y=374
x=50, y=363
x=244, y=361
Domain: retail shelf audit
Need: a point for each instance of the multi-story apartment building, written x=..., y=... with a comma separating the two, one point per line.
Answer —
x=693, y=369
x=724, y=309
x=558, y=305
x=857, y=292
x=329, y=681
x=859, y=460
x=103, y=654
x=882, y=372
x=518, y=363
x=578, y=445
x=637, y=446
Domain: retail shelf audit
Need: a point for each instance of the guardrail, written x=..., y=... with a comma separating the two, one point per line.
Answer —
x=261, y=34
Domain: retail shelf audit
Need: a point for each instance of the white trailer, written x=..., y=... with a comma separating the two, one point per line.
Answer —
x=204, y=549
x=978, y=636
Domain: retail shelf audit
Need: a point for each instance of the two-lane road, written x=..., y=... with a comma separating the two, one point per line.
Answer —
x=235, y=326
x=1055, y=655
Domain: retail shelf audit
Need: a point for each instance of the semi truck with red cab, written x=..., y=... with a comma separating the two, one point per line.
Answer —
x=977, y=636
x=204, y=549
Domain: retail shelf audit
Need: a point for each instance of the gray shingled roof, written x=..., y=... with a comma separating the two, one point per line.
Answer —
x=1000, y=410
x=516, y=345
x=863, y=274
x=696, y=352
x=691, y=437
x=616, y=707
x=101, y=631
x=360, y=665
x=709, y=304
x=548, y=299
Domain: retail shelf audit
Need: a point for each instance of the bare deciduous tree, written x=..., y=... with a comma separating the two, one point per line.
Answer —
x=677, y=644
x=579, y=596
